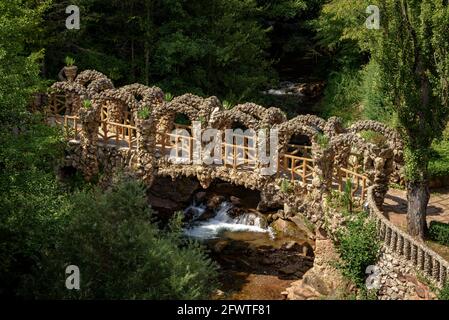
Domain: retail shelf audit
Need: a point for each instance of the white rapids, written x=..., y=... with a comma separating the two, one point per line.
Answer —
x=221, y=222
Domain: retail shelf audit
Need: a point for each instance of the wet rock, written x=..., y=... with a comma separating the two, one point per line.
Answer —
x=220, y=246
x=307, y=250
x=235, y=201
x=303, y=225
x=286, y=227
x=290, y=269
x=291, y=245
x=214, y=201
x=167, y=196
x=200, y=196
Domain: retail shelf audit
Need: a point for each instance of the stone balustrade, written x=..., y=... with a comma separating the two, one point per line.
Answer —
x=424, y=259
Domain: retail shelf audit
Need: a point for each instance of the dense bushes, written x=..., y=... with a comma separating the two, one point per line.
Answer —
x=357, y=247
x=439, y=232
x=121, y=252
x=443, y=293
x=439, y=160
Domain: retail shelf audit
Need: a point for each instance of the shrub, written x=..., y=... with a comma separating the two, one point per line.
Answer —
x=144, y=113
x=122, y=254
x=443, y=294
x=358, y=248
x=439, y=232
x=342, y=96
x=168, y=97
x=228, y=105
x=69, y=61
x=286, y=186
x=87, y=104
x=439, y=162
x=323, y=140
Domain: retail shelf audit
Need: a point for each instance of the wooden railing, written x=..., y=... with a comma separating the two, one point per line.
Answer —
x=359, y=182
x=70, y=125
x=297, y=168
x=119, y=134
x=126, y=117
x=56, y=104
x=240, y=154
x=299, y=150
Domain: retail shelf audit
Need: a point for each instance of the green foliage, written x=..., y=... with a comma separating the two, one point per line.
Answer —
x=122, y=254
x=439, y=159
x=144, y=113
x=439, y=232
x=376, y=103
x=323, y=140
x=87, y=104
x=168, y=97
x=286, y=186
x=69, y=61
x=443, y=294
x=374, y=137
x=342, y=96
x=357, y=247
x=182, y=46
x=227, y=105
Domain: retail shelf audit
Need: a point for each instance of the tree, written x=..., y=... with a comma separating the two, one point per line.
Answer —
x=29, y=150
x=113, y=238
x=411, y=54
x=412, y=50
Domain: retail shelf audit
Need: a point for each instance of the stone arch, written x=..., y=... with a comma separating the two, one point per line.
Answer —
x=225, y=118
x=296, y=126
x=74, y=94
x=120, y=105
x=94, y=81
x=392, y=137
x=151, y=97
x=392, y=140
x=266, y=117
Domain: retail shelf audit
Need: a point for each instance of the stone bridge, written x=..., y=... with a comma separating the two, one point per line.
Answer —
x=133, y=129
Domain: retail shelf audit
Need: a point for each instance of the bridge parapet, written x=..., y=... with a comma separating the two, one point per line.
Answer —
x=333, y=156
x=412, y=251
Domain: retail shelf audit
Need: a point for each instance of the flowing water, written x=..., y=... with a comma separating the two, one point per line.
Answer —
x=251, y=257
x=222, y=222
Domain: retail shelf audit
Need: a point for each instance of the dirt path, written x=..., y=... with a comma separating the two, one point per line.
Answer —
x=395, y=207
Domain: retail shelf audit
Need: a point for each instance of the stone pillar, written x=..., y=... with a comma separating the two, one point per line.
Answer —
x=146, y=150
x=382, y=171
x=90, y=122
x=323, y=170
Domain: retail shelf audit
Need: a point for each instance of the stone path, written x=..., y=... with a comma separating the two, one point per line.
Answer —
x=395, y=206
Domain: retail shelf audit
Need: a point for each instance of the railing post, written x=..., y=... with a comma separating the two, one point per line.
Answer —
x=304, y=169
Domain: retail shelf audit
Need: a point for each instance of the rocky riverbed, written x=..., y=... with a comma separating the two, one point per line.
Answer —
x=260, y=254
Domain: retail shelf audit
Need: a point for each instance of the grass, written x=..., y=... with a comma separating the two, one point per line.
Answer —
x=439, y=163
x=441, y=249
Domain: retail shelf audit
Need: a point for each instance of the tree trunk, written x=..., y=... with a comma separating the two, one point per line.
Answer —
x=418, y=197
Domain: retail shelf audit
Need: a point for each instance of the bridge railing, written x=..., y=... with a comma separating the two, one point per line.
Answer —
x=119, y=134
x=56, y=104
x=299, y=150
x=71, y=125
x=296, y=168
x=359, y=182
x=402, y=244
x=241, y=153
x=126, y=117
